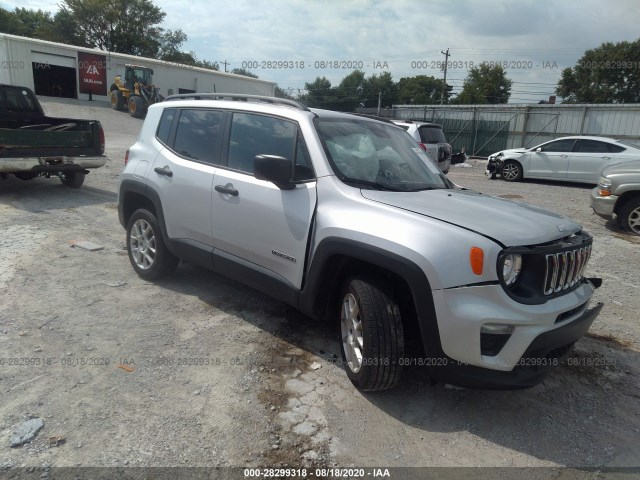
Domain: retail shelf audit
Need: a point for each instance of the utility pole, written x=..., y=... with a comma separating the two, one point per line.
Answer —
x=444, y=85
x=379, y=101
x=225, y=63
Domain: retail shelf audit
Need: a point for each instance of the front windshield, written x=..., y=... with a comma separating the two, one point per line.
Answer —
x=142, y=75
x=371, y=154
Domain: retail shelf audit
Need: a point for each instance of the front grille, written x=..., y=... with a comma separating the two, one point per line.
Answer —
x=565, y=269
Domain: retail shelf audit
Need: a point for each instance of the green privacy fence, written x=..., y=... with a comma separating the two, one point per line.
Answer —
x=476, y=137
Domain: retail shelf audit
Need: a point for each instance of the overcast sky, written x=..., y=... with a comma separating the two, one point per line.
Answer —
x=537, y=39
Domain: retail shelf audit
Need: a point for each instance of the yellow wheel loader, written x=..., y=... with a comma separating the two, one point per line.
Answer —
x=136, y=93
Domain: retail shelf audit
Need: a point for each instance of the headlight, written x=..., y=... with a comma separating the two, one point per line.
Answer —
x=511, y=267
x=604, y=187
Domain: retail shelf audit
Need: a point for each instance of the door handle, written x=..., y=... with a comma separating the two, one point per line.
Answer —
x=227, y=190
x=164, y=171
x=564, y=156
x=606, y=158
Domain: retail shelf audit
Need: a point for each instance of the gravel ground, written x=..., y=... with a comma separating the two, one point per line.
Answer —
x=197, y=370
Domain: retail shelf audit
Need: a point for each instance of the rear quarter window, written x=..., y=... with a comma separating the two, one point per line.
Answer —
x=164, y=127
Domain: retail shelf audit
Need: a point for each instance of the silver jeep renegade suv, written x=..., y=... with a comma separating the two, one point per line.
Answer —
x=342, y=217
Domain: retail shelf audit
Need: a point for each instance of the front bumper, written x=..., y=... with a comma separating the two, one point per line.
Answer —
x=463, y=312
x=547, y=351
x=603, y=206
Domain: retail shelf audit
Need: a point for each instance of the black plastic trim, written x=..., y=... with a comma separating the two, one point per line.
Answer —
x=322, y=282
x=254, y=276
x=193, y=252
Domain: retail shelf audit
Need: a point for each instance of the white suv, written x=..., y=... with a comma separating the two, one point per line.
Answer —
x=431, y=139
x=344, y=218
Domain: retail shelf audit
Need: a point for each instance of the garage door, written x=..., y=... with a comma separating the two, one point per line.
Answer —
x=50, y=59
x=54, y=75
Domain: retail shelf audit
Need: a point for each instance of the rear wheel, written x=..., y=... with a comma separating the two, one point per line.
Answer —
x=512, y=171
x=629, y=217
x=372, y=336
x=117, y=100
x=148, y=254
x=136, y=107
x=72, y=179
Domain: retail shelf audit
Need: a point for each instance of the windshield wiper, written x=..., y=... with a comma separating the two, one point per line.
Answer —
x=373, y=185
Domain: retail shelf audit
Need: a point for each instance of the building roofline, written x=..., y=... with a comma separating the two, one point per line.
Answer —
x=134, y=59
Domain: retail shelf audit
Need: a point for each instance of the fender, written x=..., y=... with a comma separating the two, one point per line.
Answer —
x=131, y=186
x=323, y=280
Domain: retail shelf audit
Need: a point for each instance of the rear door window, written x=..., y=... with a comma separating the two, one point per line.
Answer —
x=592, y=146
x=198, y=135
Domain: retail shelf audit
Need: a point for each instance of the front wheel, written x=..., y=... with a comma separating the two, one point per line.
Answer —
x=148, y=254
x=117, y=100
x=72, y=179
x=511, y=171
x=629, y=217
x=136, y=107
x=372, y=336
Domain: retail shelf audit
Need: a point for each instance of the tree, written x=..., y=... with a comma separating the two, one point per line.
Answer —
x=382, y=85
x=419, y=90
x=485, y=84
x=244, y=72
x=9, y=23
x=124, y=26
x=207, y=64
x=350, y=93
x=280, y=93
x=319, y=94
x=169, y=50
x=607, y=74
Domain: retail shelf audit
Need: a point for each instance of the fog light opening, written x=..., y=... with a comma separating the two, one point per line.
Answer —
x=493, y=338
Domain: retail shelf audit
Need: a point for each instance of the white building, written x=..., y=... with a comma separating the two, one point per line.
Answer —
x=56, y=69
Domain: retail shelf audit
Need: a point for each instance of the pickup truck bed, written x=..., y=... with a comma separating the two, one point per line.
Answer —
x=33, y=144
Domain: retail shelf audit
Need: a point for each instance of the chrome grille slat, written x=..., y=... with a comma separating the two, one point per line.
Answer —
x=565, y=269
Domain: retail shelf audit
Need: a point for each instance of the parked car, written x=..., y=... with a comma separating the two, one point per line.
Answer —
x=32, y=144
x=431, y=139
x=618, y=195
x=570, y=159
x=344, y=218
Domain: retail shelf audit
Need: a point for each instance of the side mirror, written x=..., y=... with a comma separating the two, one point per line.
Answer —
x=539, y=149
x=274, y=169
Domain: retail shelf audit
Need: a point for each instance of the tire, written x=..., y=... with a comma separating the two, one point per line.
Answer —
x=117, y=100
x=148, y=254
x=372, y=336
x=511, y=171
x=72, y=179
x=136, y=107
x=629, y=217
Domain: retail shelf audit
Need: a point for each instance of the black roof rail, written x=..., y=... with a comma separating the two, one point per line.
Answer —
x=374, y=117
x=238, y=97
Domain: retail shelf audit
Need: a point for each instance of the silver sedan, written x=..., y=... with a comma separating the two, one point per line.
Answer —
x=570, y=159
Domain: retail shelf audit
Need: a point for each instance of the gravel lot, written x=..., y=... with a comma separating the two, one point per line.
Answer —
x=200, y=371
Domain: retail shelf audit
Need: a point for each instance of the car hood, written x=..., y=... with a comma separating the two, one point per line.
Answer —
x=509, y=223
x=511, y=151
x=622, y=168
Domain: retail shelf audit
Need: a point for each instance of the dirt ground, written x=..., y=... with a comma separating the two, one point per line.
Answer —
x=198, y=370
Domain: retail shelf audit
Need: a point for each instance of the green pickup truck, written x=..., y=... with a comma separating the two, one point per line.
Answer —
x=32, y=144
